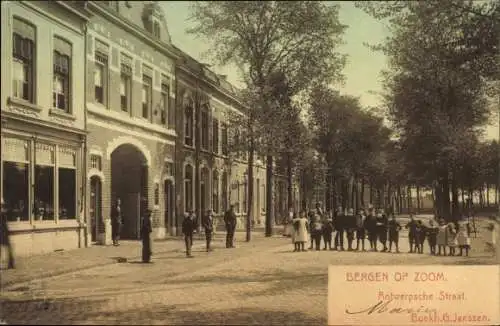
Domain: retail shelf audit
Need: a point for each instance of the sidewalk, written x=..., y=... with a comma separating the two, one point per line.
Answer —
x=58, y=263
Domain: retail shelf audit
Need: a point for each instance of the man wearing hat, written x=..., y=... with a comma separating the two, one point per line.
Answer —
x=5, y=237
x=146, y=230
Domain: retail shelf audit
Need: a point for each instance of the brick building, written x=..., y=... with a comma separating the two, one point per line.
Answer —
x=43, y=124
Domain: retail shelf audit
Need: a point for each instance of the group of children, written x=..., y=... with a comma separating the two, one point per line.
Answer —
x=377, y=227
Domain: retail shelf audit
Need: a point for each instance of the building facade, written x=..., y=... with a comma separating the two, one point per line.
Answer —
x=43, y=124
x=130, y=116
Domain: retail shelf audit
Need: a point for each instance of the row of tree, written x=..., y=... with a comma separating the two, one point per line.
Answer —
x=443, y=63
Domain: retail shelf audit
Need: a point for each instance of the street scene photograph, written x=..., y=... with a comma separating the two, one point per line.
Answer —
x=205, y=163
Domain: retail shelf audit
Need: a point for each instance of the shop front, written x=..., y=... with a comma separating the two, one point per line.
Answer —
x=41, y=187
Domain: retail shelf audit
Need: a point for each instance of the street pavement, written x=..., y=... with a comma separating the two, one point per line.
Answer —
x=261, y=282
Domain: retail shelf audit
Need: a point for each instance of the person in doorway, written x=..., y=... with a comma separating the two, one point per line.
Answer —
x=360, y=229
x=5, y=238
x=394, y=228
x=146, y=230
x=116, y=221
x=412, y=233
x=340, y=227
x=208, y=225
x=230, y=221
x=188, y=227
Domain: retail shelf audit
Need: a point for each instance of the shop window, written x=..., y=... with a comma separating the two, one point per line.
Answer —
x=157, y=194
x=67, y=193
x=61, y=75
x=100, y=77
x=215, y=191
x=23, y=53
x=15, y=190
x=125, y=87
x=188, y=126
x=146, y=96
x=43, y=208
x=188, y=188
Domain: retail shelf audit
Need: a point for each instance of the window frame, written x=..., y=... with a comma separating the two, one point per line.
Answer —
x=126, y=78
x=215, y=136
x=188, y=187
x=225, y=139
x=28, y=61
x=147, y=87
x=65, y=76
x=205, y=129
x=165, y=98
x=101, y=61
x=189, y=126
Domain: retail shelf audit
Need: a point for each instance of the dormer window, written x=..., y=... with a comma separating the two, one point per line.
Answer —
x=156, y=28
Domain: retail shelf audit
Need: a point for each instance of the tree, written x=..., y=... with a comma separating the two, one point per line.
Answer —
x=442, y=57
x=297, y=39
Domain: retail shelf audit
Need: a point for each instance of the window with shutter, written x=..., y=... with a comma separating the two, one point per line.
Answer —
x=23, y=46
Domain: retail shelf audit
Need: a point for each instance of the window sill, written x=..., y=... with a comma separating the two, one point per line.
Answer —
x=24, y=104
x=61, y=114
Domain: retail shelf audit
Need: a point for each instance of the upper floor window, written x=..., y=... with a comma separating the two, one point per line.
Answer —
x=95, y=162
x=204, y=128
x=23, y=53
x=61, y=97
x=125, y=87
x=188, y=125
x=165, y=101
x=100, y=77
x=146, y=96
x=225, y=149
x=215, y=136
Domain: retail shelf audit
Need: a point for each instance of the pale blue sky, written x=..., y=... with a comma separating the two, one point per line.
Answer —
x=362, y=71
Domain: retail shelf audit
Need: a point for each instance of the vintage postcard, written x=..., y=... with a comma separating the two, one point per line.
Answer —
x=250, y=162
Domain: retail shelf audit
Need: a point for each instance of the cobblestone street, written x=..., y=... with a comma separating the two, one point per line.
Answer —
x=261, y=282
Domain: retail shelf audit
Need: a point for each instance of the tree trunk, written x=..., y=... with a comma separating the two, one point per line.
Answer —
x=496, y=194
x=454, y=198
x=371, y=192
x=353, y=193
x=289, y=175
x=481, y=196
x=269, y=196
x=462, y=191
x=438, y=205
x=250, y=194
x=446, y=195
x=418, y=199
x=487, y=195
x=408, y=198
x=362, y=194
x=398, y=199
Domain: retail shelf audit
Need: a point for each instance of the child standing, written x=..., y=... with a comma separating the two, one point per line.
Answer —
x=412, y=233
x=360, y=230
x=451, y=237
x=421, y=233
x=432, y=232
x=327, y=233
x=300, y=228
x=394, y=228
x=463, y=238
x=441, y=237
x=316, y=231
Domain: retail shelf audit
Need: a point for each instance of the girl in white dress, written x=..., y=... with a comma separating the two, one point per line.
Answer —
x=300, y=232
x=441, y=237
x=451, y=237
x=463, y=238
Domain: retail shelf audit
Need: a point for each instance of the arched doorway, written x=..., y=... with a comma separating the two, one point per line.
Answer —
x=168, y=197
x=129, y=182
x=96, y=222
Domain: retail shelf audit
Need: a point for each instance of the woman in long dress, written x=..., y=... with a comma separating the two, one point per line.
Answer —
x=300, y=232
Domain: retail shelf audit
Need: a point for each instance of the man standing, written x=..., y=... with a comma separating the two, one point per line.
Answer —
x=208, y=225
x=360, y=229
x=382, y=223
x=188, y=227
x=350, y=227
x=146, y=237
x=230, y=221
x=116, y=222
x=340, y=227
x=5, y=237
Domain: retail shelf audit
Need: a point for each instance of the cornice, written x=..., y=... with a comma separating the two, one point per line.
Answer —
x=132, y=28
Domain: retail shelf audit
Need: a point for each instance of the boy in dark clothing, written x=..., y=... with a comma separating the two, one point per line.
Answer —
x=370, y=225
x=339, y=227
x=421, y=232
x=394, y=228
x=381, y=228
x=316, y=231
x=327, y=233
x=188, y=227
x=432, y=232
x=360, y=230
x=208, y=225
x=412, y=233
x=350, y=226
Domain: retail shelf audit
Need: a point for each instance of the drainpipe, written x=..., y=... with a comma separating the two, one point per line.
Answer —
x=84, y=173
